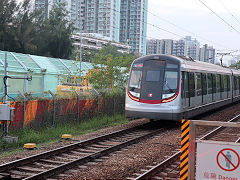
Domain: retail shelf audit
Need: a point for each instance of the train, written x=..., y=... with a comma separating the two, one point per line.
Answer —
x=167, y=87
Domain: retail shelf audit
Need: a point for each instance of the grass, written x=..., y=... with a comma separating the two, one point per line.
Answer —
x=46, y=136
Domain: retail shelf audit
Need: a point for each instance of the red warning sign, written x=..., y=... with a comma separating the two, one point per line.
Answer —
x=228, y=155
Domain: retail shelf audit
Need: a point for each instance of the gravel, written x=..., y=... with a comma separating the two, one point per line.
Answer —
x=125, y=163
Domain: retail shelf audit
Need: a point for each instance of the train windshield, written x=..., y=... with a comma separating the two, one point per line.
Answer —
x=154, y=79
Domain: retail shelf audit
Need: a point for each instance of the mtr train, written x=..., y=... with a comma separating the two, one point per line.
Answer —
x=165, y=87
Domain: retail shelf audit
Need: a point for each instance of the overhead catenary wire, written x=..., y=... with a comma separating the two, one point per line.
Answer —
x=230, y=12
x=183, y=29
x=220, y=17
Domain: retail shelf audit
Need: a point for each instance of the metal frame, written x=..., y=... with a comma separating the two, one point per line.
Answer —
x=192, y=140
x=66, y=66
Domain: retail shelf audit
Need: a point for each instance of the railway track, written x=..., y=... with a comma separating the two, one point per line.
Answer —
x=169, y=168
x=52, y=164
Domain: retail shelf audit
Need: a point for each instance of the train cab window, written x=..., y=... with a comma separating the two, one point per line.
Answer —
x=204, y=84
x=209, y=83
x=199, y=84
x=153, y=76
x=170, y=66
x=191, y=84
x=135, y=82
x=214, y=83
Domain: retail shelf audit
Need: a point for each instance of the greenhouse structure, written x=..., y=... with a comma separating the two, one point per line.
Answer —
x=47, y=73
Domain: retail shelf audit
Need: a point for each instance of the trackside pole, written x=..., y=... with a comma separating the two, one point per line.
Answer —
x=184, y=150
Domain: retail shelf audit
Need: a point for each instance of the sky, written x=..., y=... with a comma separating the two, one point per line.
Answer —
x=196, y=20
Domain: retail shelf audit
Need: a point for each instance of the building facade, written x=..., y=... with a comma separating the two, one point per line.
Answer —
x=207, y=54
x=76, y=9
x=122, y=21
x=97, y=41
x=133, y=24
x=192, y=48
x=102, y=17
x=163, y=46
x=178, y=47
x=183, y=47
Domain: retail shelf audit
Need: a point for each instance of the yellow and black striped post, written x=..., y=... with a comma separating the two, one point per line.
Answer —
x=184, y=150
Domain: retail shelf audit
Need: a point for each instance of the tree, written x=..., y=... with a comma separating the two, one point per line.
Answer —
x=236, y=65
x=7, y=12
x=55, y=36
x=110, y=69
x=24, y=27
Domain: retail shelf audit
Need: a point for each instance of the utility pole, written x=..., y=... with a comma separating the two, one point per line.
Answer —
x=5, y=74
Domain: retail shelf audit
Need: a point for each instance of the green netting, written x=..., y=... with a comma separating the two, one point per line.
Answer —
x=36, y=85
x=45, y=63
x=13, y=64
x=28, y=62
x=62, y=69
x=15, y=85
x=71, y=65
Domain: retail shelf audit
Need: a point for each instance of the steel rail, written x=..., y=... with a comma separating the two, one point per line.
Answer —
x=163, y=164
x=64, y=167
x=27, y=160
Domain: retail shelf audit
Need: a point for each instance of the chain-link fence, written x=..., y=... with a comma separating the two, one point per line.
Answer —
x=49, y=112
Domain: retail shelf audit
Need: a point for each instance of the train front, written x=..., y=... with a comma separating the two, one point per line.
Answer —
x=153, y=88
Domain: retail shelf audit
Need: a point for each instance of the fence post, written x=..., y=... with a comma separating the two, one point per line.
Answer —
x=24, y=107
x=78, y=114
x=97, y=93
x=54, y=108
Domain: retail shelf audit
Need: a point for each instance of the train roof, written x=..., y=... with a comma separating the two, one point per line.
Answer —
x=191, y=65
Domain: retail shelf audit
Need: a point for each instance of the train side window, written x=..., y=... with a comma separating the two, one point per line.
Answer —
x=239, y=84
x=237, y=79
x=199, y=84
x=228, y=83
x=235, y=82
x=221, y=83
x=209, y=83
x=204, y=84
x=218, y=82
x=225, y=83
x=183, y=85
x=192, y=84
x=186, y=88
x=214, y=83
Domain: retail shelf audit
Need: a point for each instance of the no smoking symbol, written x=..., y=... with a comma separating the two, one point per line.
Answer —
x=228, y=155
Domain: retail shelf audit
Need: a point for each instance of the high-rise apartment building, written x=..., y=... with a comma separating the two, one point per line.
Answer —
x=192, y=48
x=76, y=9
x=163, y=46
x=179, y=47
x=102, y=17
x=152, y=46
x=120, y=20
x=207, y=54
x=133, y=24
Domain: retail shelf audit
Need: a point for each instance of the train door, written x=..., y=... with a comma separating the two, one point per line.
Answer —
x=191, y=89
x=184, y=90
x=198, y=100
x=218, y=94
x=153, y=77
x=205, y=97
x=214, y=87
x=209, y=96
